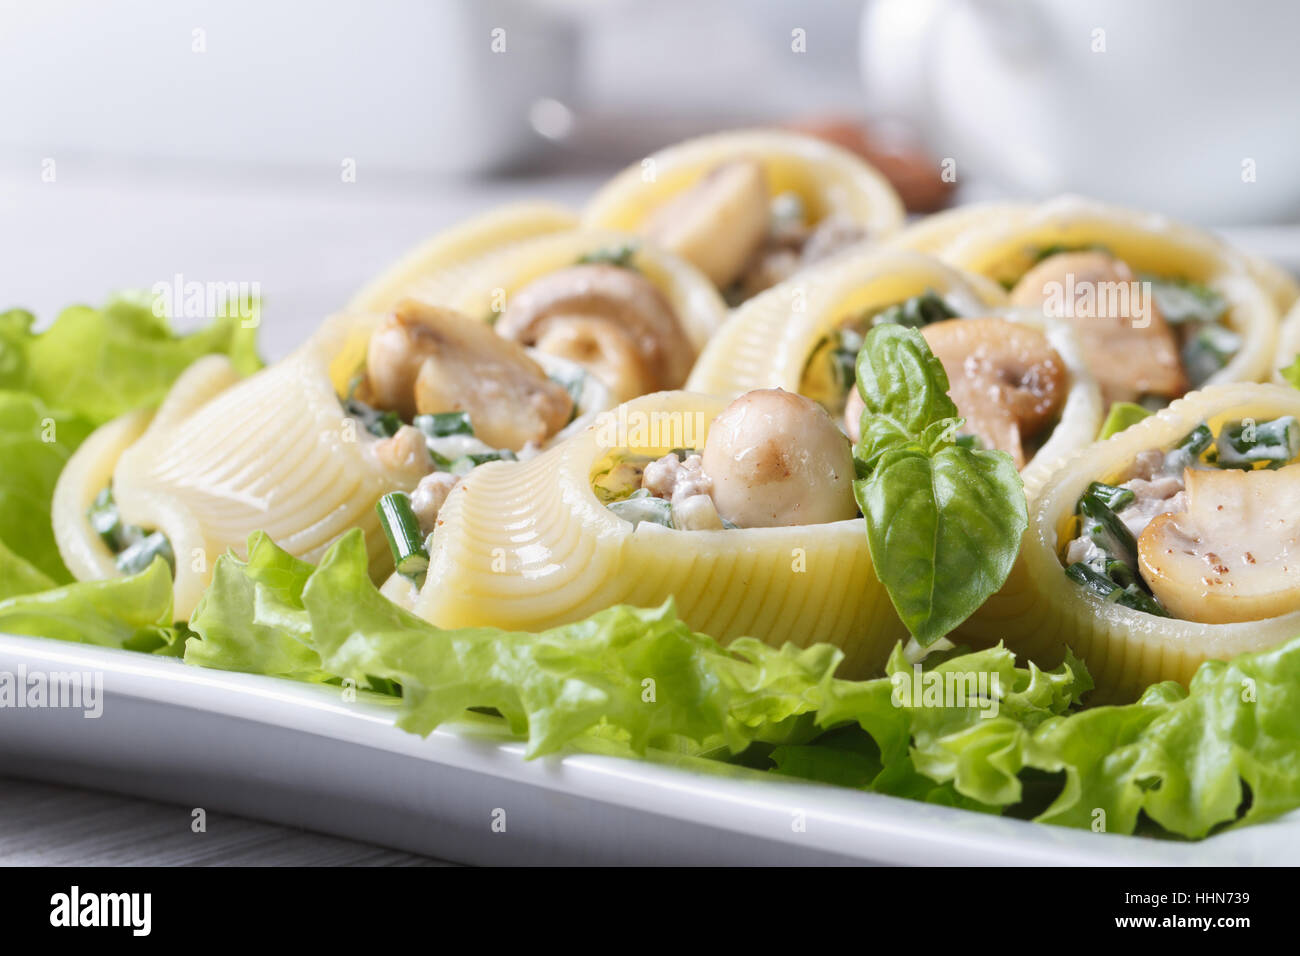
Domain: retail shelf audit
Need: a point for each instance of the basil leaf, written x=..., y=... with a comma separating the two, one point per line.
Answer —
x=944, y=530
x=900, y=379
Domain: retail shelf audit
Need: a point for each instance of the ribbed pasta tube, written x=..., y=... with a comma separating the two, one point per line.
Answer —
x=1005, y=248
x=483, y=287
x=768, y=341
x=934, y=233
x=1040, y=612
x=826, y=177
x=222, y=458
x=529, y=545
x=465, y=240
x=749, y=207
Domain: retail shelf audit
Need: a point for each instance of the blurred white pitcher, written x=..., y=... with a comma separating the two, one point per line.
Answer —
x=1186, y=106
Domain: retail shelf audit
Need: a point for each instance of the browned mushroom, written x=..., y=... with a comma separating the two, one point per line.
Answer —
x=1004, y=377
x=613, y=321
x=1124, y=339
x=424, y=359
x=717, y=224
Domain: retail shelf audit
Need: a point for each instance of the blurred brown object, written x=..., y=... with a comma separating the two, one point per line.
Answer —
x=911, y=171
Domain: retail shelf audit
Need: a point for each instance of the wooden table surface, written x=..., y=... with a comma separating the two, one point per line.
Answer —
x=48, y=825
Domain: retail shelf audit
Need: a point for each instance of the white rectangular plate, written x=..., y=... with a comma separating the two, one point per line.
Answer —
x=300, y=755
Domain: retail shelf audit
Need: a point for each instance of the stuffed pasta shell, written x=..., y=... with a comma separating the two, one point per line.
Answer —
x=302, y=450
x=635, y=316
x=464, y=241
x=1173, y=542
x=749, y=208
x=1159, y=309
x=743, y=511
x=1017, y=379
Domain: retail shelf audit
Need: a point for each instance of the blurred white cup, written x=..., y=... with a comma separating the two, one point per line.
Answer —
x=1186, y=106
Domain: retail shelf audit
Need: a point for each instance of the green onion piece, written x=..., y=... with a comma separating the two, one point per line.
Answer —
x=1094, y=581
x=641, y=506
x=1112, y=497
x=1181, y=301
x=621, y=256
x=1208, y=351
x=105, y=520
x=1245, y=444
x=402, y=529
x=442, y=424
x=1130, y=595
x=383, y=424
x=918, y=311
x=1059, y=248
x=1196, y=441
x=1138, y=599
x=467, y=463
x=138, y=556
x=1120, y=417
x=1107, y=531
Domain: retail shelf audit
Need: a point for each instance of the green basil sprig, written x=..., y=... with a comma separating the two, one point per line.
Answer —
x=944, y=520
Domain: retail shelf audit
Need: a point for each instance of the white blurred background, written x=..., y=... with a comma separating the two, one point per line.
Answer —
x=145, y=138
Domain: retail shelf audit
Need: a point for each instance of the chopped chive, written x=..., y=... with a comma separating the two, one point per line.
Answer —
x=381, y=423
x=442, y=424
x=1134, y=597
x=105, y=520
x=1208, y=351
x=1107, y=531
x=1181, y=301
x=1246, y=444
x=1196, y=441
x=402, y=529
x=621, y=256
x=464, y=464
x=138, y=556
x=1093, y=580
x=918, y=311
x=1114, y=498
x=641, y=506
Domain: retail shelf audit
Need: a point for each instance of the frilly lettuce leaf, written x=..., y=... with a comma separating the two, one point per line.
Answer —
x=20, y=576
x=56, y=386
x=134, y=613
x=97, y=364
x=252, y=617
x=35, y=444
x=1014, y=742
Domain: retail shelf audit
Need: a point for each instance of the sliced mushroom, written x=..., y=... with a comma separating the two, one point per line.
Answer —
x=717, y=224
x=426, y=359
x=1004, y=377
x=775, y=459
x=1234, y=554
x=1126, y=342
x=853, y=410
x=603, y=349
x=611, y=320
